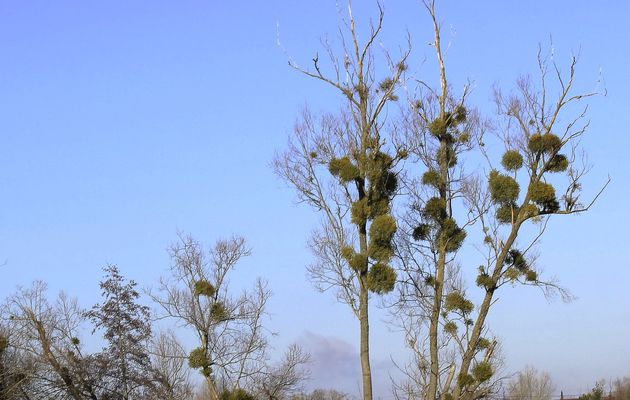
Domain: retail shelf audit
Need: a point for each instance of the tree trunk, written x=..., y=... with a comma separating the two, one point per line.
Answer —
x=214, y=394
x=483, y=311
x=365, y=341
x=433, y=328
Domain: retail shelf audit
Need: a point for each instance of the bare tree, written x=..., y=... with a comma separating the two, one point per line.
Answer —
x=232, y=347
x=530, y=384
x=620, y=389
x=16, y=368
x=281, y=381
x=344, y=166
x=170, y=372
x=454, y=354
x=47, y=334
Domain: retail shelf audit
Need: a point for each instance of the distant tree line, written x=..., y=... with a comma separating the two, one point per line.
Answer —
x=43, y=354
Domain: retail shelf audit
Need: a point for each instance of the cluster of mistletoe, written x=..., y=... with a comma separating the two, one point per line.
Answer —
x=542, y=156
x=376, y=184
x=200, y=358
x=439, y=226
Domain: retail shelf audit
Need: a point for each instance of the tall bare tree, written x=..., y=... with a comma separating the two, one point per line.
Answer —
x=281, y=381
x=540, y=132
x=344, y=166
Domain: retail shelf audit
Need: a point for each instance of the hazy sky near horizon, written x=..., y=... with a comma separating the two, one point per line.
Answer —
x=122, y=123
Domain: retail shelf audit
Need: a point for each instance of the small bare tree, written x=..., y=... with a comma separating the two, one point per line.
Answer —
x=47, y=334
x=285, y=379
x=530, y=384
x=232, y=347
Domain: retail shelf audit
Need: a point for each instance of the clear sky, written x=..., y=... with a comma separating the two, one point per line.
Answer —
x=122, y=123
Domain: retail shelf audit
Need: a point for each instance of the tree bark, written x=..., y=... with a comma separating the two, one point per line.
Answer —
x=365, y=341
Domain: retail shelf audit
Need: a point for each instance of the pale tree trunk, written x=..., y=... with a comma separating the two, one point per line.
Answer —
x=444, y=195
x=366, y=370
x=214, y=394
x=485, y=308
x=433, y=328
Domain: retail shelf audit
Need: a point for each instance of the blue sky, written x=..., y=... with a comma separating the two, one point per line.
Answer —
x=122, y=123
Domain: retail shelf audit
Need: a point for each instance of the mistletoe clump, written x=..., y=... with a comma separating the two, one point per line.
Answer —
x=460, y=114
x=547, y=143
x=435, y=209
x=382, y=232
x=518, y=266
x=451, y=236
x=432, y=178
x=516, y=259
x=464, y=380
x=358, y=262
x=438, y=128
x=503, y=189
x=482, y=371
x=421, y=232
x=383, y=182
x=558, y=163
x=381, y=278
x=456, y=301
x=506, y=213
x=204, y=288
x=360, y=211
x=544, y=195
x=512, y=160
x=531, y=275
x=198, y=359
x=219, y=312
x=484, y=280
x=450, y=327
x=483, y=343
x=343, y=169
x=446, y=155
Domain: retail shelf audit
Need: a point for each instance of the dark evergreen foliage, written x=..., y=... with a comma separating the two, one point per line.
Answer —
x=126, y=328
